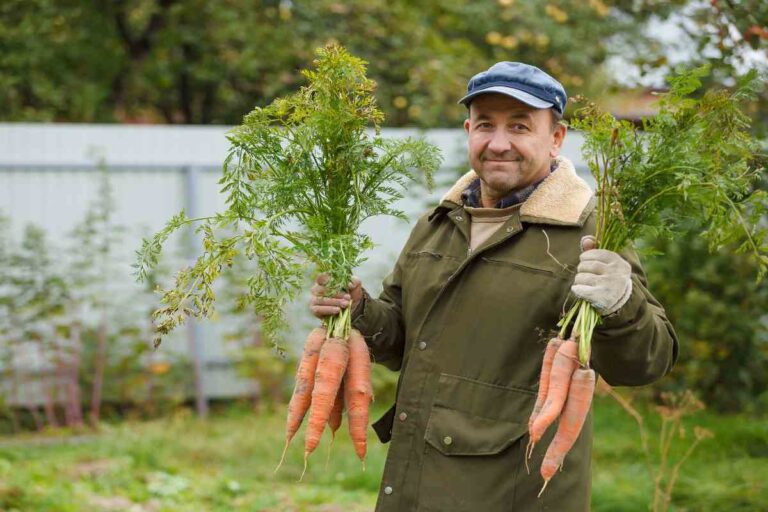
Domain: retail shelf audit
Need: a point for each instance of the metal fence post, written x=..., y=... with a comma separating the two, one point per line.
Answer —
x=196, y=349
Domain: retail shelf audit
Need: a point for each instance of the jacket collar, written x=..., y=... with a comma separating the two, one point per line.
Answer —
x=563, y=198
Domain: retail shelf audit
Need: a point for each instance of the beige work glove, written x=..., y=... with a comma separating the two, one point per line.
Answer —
x=603, y=278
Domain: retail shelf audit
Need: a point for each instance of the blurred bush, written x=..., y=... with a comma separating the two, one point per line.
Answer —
x=719, y=313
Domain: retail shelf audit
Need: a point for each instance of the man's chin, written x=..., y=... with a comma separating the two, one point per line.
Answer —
x=501, y=179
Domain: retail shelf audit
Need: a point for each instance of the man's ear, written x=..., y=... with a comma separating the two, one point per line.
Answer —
x=466, y=125
x=558, y=136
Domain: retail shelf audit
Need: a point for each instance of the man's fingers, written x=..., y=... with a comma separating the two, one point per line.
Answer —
x=338, y=301
x=322, y=306
x=323, y=311
x=603, y=255
x=582, y=278
x=592, y=267
x=582, y=291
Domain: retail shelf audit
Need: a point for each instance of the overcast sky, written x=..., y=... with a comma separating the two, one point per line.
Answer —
x=679, y=48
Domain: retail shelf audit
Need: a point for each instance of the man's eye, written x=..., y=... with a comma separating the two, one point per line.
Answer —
x=519, y=126
x=484, y=125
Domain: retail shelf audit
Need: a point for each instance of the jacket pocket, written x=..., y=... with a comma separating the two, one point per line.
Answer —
x=533, y=268
x=453, y=432
x=473, y=446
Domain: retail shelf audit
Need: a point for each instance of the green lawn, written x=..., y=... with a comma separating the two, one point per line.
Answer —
x=227, y=463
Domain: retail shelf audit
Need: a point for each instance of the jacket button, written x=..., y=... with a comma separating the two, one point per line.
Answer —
x=387, y=490
x=510, y=229
x=422, y=345
x=402, y=416
x=459, y=218
x=447, y=440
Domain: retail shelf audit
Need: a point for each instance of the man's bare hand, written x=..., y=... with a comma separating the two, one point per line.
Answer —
x=322, y=306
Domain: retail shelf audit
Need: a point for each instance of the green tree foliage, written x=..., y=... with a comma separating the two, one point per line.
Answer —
x=195, y=61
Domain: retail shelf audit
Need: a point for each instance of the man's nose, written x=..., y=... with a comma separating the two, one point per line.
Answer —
x=499, y=142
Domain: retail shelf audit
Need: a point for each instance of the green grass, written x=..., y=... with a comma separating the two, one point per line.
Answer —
x=226, y=463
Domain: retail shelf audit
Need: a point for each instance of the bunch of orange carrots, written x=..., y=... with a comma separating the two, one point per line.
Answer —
x=701, y=159
x=565, y=390
x=301, y=176
x=333, y=374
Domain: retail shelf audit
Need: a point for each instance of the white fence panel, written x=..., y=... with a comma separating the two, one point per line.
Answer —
x=48, y=177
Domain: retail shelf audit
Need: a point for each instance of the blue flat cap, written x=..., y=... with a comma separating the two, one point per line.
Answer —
x=521, y=81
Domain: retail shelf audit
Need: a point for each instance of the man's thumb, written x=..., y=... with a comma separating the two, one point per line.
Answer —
x=588, y=243
x=355, y=289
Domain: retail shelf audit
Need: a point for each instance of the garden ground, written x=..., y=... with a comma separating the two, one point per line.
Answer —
x=227, y=463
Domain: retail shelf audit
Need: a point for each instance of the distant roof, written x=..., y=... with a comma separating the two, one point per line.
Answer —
x=632, y=105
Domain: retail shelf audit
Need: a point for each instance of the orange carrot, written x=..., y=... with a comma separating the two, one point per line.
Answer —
x=358, y=392
x=331, y=366
x=334, y=420
x=571, y=421
x=563, y=366
x=305, y=380
x=546, y=368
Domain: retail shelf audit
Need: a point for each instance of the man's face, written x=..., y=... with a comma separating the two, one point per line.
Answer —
x=511, y=144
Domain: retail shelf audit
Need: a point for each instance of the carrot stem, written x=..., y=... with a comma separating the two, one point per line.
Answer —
x=587, y=318
x=566, y=320
x=339, y=325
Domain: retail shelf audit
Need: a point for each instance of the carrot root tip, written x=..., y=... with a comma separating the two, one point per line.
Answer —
x=306, y=454
x=527, y=456
x=282, y=457
x=542, y=488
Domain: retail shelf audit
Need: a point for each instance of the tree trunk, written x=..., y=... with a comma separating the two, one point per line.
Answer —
x=46, y=377
x=98, y=371
x=39, y=423
x=75, y=405
x=256, y=385
x=63, y=377
x=185, y=87
x=14, y=393
x=201, y=401
x=149, y=402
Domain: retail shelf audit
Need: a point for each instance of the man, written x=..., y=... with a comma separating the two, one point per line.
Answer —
x=481, y=277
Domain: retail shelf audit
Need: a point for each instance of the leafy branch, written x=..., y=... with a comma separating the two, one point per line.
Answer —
x=300, y=177
x=692, y=166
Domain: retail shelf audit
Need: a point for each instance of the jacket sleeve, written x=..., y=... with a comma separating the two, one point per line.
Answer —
x=636, y=345
x=381, y=320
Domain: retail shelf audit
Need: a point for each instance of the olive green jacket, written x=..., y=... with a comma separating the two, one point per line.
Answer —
x=467, y=332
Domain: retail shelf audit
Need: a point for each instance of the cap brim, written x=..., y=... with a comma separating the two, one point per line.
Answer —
x=523, y=96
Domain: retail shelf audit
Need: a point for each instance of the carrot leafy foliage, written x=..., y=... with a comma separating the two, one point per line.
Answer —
x=692, y=166
x=300, y=177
